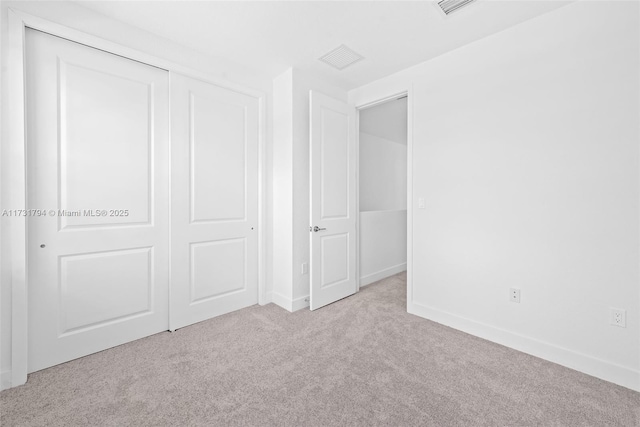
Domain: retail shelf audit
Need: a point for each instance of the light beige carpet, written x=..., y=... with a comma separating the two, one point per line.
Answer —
x=362, y=361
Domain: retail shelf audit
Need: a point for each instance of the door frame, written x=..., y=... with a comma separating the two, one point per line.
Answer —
x=367, y=98
x=15, y=149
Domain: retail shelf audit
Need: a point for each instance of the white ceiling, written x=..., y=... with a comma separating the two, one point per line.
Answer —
x=271, y=36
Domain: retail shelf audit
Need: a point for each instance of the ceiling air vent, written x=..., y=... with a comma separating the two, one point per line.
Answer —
x=450, y=6
x=341, y=57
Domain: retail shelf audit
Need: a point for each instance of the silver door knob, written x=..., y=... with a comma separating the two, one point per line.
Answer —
x=316, y=229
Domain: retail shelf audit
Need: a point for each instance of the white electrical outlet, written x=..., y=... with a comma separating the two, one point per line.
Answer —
x=514, y=295
x=304, y=269
x=618, y=317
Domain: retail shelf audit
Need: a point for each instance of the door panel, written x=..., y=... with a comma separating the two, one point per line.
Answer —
x=335, y=257
x=96, y=288
x=223, y=276
x=334, y=164
x=218, y=158
x=214, y=201
x=97, y=165
x=333, y=200
x=102, y=116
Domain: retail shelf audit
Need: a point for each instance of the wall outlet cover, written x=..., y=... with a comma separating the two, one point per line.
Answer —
x=514, y=295
x=618, y=317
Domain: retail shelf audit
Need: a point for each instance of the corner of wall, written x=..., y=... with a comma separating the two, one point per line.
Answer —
x=282, y=189
x=290, y=304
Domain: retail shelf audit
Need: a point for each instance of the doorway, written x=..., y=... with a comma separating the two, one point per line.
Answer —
x=359, y=220
x=382, y=177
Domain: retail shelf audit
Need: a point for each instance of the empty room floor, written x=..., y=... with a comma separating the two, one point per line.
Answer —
x=360, y=361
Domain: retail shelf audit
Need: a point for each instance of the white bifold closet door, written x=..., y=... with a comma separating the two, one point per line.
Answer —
x=214, y=214
x=97, y=168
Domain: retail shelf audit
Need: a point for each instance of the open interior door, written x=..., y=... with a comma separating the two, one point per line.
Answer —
x=333, y=200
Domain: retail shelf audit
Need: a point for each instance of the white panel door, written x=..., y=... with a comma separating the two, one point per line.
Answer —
x=333, y=200
x=214, y=219
x=97, y=174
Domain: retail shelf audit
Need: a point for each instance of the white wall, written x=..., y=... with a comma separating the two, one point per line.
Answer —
x=77, y=17
x=525, y=148
x=383, y=244
x=387, y=120
x=383, y=173
x=382, y=195
x=282, y=190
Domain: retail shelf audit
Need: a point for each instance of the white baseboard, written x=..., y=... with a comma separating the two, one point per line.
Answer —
x=5, y=380
x=589, y=365
x=281, y=301
x=382, y=274
x=289, y=304
x=300, y=303
x=268, y=298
